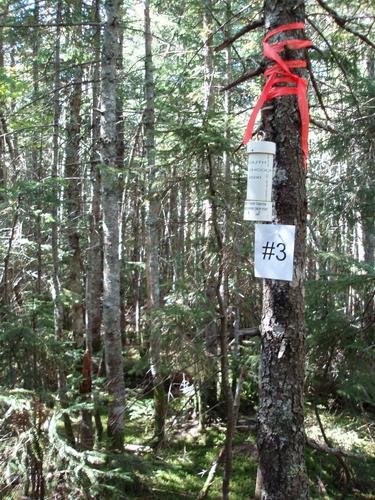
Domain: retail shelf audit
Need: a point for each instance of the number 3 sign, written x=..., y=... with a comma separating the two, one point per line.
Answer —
x=274, y=251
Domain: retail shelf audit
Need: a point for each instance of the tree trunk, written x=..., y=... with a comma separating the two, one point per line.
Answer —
x=367, y=210
x=73, y=282
x=280, y=418
x=58, y=307
x=35, y=155
x=223, y=295
x=110, y=203
x=152, y=237
x=209, y=386
x=94, y=271
x=3, y=167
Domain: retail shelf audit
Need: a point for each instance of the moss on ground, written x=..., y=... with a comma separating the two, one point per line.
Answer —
x=179, y=470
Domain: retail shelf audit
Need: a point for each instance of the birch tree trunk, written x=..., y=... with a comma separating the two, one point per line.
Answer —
x=152, y=236
x=110, y=203
x=280, y=418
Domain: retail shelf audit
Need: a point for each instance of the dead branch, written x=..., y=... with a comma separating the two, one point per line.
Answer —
x=342, y=22
x=246, y=29
x=322, y=126
x=316, y=87
x=328, y=444
x=245, y=77
x=254, y=331
x=337, y=452
x=220, y=457
x=48, y=25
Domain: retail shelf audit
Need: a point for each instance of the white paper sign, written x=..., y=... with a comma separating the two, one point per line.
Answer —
x=274, y=251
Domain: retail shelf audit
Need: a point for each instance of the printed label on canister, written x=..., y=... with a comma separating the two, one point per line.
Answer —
x=259, y=177
x=258, y=210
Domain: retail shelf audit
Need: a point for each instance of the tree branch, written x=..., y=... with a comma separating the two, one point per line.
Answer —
x=337, y=452
x=254, y=331
x=337, y=60
x=250, y=27
x=342, y=22
x=328, y=444
x=49, y=25
x=316, y=88
x=323, y=126
x=245, y=77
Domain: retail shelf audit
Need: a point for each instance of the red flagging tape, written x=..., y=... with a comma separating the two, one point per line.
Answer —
x=280, y=72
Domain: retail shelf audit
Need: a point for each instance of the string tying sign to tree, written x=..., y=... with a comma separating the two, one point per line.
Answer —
x=280, y=73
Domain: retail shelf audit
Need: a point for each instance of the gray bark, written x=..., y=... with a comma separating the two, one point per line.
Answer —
x=110, y=203
x=36, y=165
x=56, y=289
x=223, y=299
x=152, y=237
x=280, y=418
x=94, y=270
x=74, y=282
x=367, y=211
x=208, y=393
x=3, y=167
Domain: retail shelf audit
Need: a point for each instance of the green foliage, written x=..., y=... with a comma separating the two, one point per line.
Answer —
x=339, y=358
x=141, y=410
x=34, y=444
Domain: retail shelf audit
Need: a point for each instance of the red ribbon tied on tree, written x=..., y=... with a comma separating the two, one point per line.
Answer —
x=280, y=72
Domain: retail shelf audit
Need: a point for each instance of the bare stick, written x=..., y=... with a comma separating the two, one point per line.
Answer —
x=316, y=88
x=246, y=29
x=329, y=445
x=337, y=452
x=47, y=25
x=325, y=127
x=219, y=459
x=245, y=77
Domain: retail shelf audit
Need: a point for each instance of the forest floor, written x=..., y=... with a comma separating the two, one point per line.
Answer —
x=180, y=469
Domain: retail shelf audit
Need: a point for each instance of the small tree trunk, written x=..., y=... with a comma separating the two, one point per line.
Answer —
x=209, y=384
x=3, y=166
x=94, y=271
x=367, y=211
x=73, y=281
x=35, y=155
x=152, y=237
x=58, y=308
x=110, y=202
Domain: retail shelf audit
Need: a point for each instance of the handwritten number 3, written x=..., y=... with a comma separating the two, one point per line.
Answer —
x=282, y=251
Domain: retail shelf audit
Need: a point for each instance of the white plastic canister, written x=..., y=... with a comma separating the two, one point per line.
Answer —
x=258, y=204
